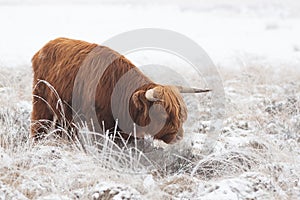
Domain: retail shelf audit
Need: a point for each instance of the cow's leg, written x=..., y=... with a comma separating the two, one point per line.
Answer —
x=41, y=119
x=64, y=126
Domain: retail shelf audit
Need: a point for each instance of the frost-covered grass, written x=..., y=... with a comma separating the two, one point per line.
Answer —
x=256, y=154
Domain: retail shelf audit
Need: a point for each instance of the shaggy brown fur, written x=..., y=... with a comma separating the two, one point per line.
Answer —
x=73, y=68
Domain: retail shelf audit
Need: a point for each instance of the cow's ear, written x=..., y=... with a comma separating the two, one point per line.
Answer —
x=140, y=103
x=136, y=99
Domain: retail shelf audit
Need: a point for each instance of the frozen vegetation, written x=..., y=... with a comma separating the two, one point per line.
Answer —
x=256, y=154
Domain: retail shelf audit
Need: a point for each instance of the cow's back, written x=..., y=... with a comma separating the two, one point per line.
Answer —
x=61, y=56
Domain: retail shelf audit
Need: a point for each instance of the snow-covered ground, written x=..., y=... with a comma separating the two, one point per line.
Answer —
x=256, y=48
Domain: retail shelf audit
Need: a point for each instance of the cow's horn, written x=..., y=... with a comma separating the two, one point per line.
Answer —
x=150, y=95
x=191, y=90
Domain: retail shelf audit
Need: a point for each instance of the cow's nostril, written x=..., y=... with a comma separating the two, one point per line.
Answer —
x=179, y=137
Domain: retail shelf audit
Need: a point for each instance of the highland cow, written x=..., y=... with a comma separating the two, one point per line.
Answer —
x=74, y=79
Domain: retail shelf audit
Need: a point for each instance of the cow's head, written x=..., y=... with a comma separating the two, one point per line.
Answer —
x=163, y=108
